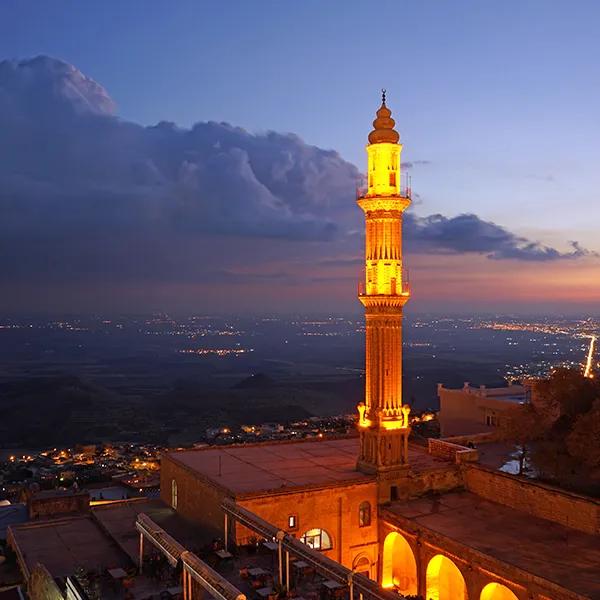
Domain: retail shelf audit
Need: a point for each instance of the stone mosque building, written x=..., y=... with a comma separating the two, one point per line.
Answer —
x=428, y=521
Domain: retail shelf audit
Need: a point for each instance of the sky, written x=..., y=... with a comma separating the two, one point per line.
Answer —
x=212, y=164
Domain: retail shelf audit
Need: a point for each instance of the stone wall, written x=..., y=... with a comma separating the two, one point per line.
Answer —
x=433, y=480
x=44, y=505
x=450, y=451
x=476, y=438
x=334, y=509
x=197, y=499
x=571, y=510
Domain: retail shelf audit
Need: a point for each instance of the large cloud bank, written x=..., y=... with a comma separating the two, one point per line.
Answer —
x=83, y=192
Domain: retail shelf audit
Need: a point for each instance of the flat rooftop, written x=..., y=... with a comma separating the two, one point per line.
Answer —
x=265, y=467
x=62, y=544
x=565, y=556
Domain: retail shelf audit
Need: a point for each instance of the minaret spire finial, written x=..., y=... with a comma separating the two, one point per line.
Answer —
x=383, y=96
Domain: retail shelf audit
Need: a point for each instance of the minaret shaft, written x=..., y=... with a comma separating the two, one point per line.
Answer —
x=383, y=422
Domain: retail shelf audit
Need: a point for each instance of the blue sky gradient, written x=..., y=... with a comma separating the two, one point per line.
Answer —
x=498, y=100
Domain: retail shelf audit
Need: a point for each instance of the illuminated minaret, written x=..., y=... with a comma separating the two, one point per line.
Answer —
x=383, y=419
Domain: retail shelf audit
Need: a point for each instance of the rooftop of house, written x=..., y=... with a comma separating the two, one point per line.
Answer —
x=63, y=544
x=274, y=466
x=564, y=556
x=515, y=393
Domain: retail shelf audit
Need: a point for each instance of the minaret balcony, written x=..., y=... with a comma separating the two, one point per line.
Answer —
x=395, y=291
x=362, y=191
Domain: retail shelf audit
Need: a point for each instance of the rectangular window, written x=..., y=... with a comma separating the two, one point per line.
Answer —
x=393, y=493
x=292, y=522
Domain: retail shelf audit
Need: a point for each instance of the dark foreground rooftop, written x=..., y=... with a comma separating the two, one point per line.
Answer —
x=271, y=466
x=62, y=544
x=565, y=556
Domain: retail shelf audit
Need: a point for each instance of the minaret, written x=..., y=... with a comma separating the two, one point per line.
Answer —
x=383, y=419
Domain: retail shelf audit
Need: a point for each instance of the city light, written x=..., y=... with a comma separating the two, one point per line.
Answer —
x=587, y=372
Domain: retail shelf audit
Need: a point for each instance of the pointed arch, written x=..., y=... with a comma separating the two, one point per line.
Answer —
x=362, y=565
x=497, y=591
x=174, y=494
x=444, y=580
x=399, y=565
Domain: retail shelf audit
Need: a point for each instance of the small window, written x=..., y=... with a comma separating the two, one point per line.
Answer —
x=393, y=493
x=174, y=494
x=292, y=522
x=364, y=514
x=393, y=178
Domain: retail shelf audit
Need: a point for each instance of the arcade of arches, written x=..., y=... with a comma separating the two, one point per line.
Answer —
x=444, y=581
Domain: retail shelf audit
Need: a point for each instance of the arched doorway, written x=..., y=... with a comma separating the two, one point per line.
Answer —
x=362, y=565
x=399, y=565
x=497, y=591
x=444, y=580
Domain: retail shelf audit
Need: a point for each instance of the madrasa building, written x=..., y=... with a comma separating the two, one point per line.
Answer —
x=427, y=521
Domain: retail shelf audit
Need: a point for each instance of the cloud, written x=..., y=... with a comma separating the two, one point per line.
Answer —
x=467, y=233
x=415, y=163
x=68, y=162
x=86, y=196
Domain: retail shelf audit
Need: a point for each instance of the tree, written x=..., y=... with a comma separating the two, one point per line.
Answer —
x=522, y=425
x=565, y=394
x=583, y=442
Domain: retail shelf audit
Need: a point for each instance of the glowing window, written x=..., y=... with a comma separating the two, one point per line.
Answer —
x=174, y=494
x=292, y=522
x=364, y=514
x=317, y=539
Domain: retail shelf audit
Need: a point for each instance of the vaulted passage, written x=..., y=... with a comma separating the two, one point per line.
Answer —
x=444, y=580
x=497, y=591
x=399, y=565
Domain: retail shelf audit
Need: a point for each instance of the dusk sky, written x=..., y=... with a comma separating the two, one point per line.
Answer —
x=195, y=156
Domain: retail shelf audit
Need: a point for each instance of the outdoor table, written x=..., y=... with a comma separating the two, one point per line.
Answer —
x=270, y=545
x=265, y=592
x=258, y=572
x=117, y=573
x=175, y=592
x=302, y=568
x=333, y=588
x=223, y=554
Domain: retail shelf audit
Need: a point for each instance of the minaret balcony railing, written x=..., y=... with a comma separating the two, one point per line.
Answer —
x=395, y=290
x=362, y=191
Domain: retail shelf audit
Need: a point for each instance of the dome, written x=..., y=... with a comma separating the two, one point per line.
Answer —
x=383, y=126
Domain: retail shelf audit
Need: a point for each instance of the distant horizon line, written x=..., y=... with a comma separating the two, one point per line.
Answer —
x=8, y=315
